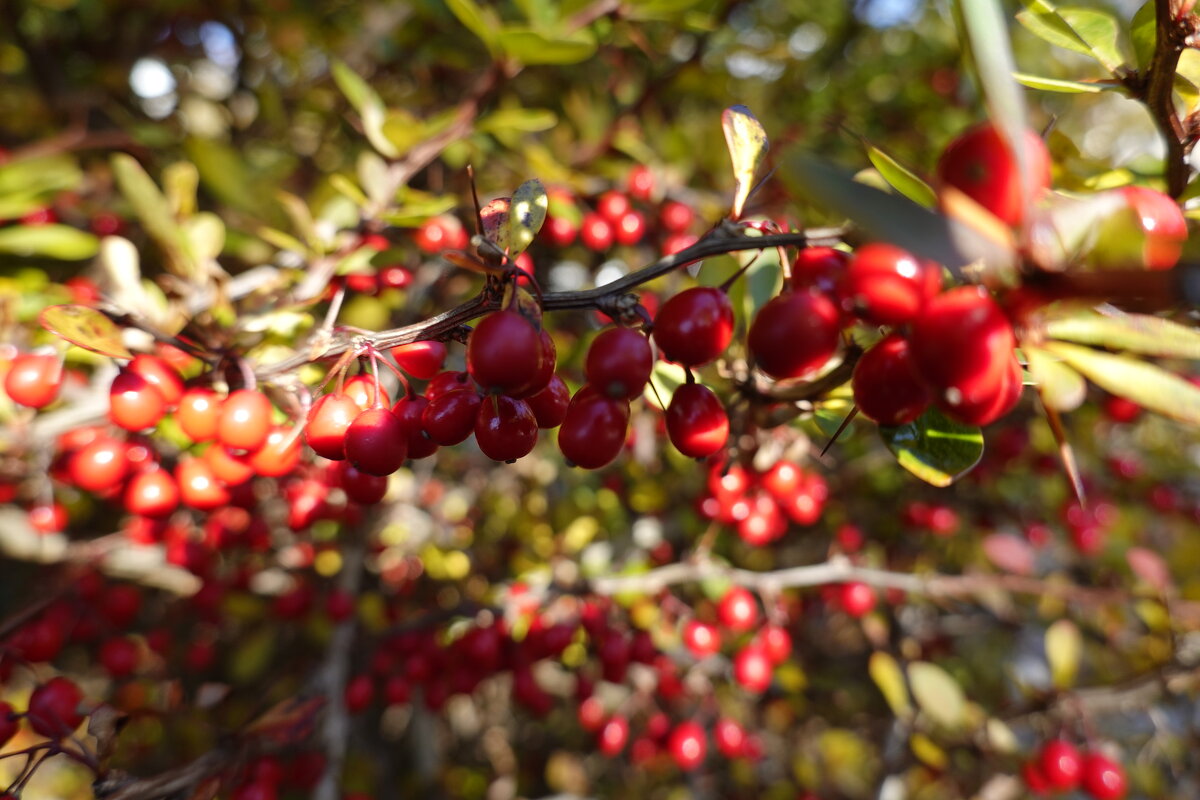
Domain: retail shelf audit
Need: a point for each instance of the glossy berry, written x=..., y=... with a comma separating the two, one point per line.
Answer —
x=730, y=738
x=99, y=466
x=1102, y=778
x=612, y=205
x=885, y=383
x=614, y=736
x=988, y=409
x=701, y=639
x=1061, y=765
x=676, y=217
x=134, y=403
x=505, y=429
x=33, y=379
x=856, y=599
x=737, y=609
x=441, y=233
x=159, y=374
x=9, y=723
x=363, y=389
x=420, y=359
x=640, y=182
x=360, y=691
x=244, y=420
x=376, y=442
x=695, y=326
x=697, y=423
x=752, y=668
x=279, y=454
x=410, y=410
x=596, y=233
x=593, y=431
x=819, y=267
x=887, y=285
x=504, y=353
x=776, y=642
x=152, y=493
x=199, y=487
x=688, y=745
x=119, y=656
x=328, y=420
x=450, y=418
x=48, y=517
x=549, y=406
x=980, y=164
x=197, y=414
x=1161, y=220
x=630, y=228
x=795, y=334
x=619, y=362
x=54, y=708
x=359, y=486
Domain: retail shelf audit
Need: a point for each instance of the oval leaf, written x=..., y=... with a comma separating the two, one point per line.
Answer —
x=938, y=695
x=890, y=679
x=1137, y=333
x=85, y=327
x=747, y=142
x=494, y=217
x=48, y=241
x=1010, y=553
x=1061, y=86
x=1093, y=33
x=1064, y=646
x=901, y=178
x=526, y=213
x=936, y=449
x=1143, y=383
x=531, y=47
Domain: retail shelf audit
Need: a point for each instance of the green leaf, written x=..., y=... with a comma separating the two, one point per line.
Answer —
x=151, y=207
x=894, y=218
x=349, y=189
x=85, y=327
x=533, y=47
x=901, y=178
x=937, y=694
x=1060, y=387
x=48, y=241
x=281, y=240
x=890, y=679
x=13, y=206
x=403, y=130
x=1147, y=385
x=1064, y=87
x=253, y=655
x=44, y=176
x=933, y=447
x=1143, y=32
x=1136, y=333
x=477, y=20
x=301, y=217
x=205, y=233
x=523, y=120
x=666, y=378
x=527, y=212
x=747, y=142
x=1064, y=647
x=367, y=103
x=1093, y=33
x=180, y=181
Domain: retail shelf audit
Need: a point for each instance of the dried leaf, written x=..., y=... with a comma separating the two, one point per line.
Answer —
x=747, y=142
x=527, y=212
x=85, y=327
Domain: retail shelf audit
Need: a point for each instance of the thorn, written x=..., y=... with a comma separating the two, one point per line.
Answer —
x=846, y=422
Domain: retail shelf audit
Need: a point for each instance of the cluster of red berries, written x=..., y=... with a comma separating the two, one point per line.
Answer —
x=760, y=504
x=756, y=659
x=1060, y=767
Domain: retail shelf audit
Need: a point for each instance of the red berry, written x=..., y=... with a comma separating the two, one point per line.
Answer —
x=1061, y=765
x=856, y=599
x=688, y=745
x=119, y=656
x=197, y=414
x=505, y=353
x=630, y=228
x=549, y=406
x=231, y=469
x=776, y=642
x=54, y=708
x=614, y=735
x=1160, y=218
x=159, y=374
x=100, y=465
x=134, y=403
x=1103, y=778
x=441, y=233
x=359, y=486
x=152, y=493
x=987, y=410
x=819, y=267
x=279, y=454
x=612, y=205
x=701, y=639
x=885, y=383
x=48, y=517
x=596, y=233
x=886, y=285
x=410, y=410
x=980, y=164
x=696, y=421
x=505, y=428
x=560, y=231
x=360, y=691
x=695, y=326
x=795, y=334
x=362, y=389
x=450, y=418
x=640, y=182
x=198, y=485
x=730, y=737
x=593, y=431
x=244, y=420
x=737, y=609
x=676, y=217
x=619, y=362
x=33, y=379
x=763, y=522
x=9, y=723
x=1031, y=773
x=328, y=420
x=376, y=442
x=420, y=359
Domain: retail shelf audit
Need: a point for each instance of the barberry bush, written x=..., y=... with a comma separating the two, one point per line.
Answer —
x=647, y=397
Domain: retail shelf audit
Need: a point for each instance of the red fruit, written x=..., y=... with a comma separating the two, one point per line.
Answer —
x=244, y=420
x=198, y=485
x=134, y=403
x=885, y=383
x=279, y=455
x=54, y=708
x=159, y=374
x=1103, y=778
x=696, y=421
x=359, y=486
x=1161, y=220
x=441, y=233
x=450, y=418
x=197, y=414
x=410, y=410
x=119, y=656
x=678, y=242
x=33, y=379
x=41, y=640
x=394, y=276
x=737, y=609
x=152, y=493
x=695, y=326
x=783, y=479
x=1121, y=409
x=360, y=691
x=676, y=217
x=980, y=164
x=596, y=233
x=730, y=737
x=819, y=267
x=99, y=466
x=630, y=228
x=856, y=599
x=121, y=605
x=989, y=409
x=701, y=639
x=560, y=231
x=9, y=723
x=688, y=745
x=505, y=428
x=776, y=642
x=591, y=714
x=640, y=182
x=48, y=517
x=795, y=334
x=593, y=431
x=362, y=389
x=549, y=406
x=504, y=353
x=763, y=522
x=377, y=442
x=962, y=346
x=255, y=790
x=420, y=359
x=328, y=420
x=619, y=362
x=1061, y=765
x=231, y=469
x=614, y=735
x=612, y=205
x=886, y=285
x=1031, y=773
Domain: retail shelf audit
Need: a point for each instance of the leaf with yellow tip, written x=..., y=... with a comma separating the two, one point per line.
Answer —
x=747, y=142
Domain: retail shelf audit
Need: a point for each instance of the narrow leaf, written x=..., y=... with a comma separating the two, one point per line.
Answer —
x=367, y=103
x=533, y=47
x=524, y=120
x=1136, y=333
x=48, y=241
x=747, y=142
x=890, y=679
x=151, y=207
x=476, y=20
x=1147, y=385
x=85, y=327
x=938, y=695
x=1063, y=86
x=933, y=447
x=526, y=213
x=1143, y=32
x=901, y=178
x=1060, y=387
x=1064, y=647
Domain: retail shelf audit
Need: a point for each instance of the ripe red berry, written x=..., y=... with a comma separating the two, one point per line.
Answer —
x=279, y=454
x=48, y=517
x=505, y=428
x=776, y=642
x=640, y=182
x=363, y=390
x=696, y=421
x=593, y=431
x=328, y=420
x=420, y=359
x=688, y=745
x=505, y=353
x=159, y=374
x=856, y=598
x=360, y=691
x=887, y=285
x=231, y=469
x=198, y=485
x=1102, y=778
x=701, y=639
x=795, y=334
x=737, y=609
x=119, y=656
x=359, y=486
x=819, y=267
x=695, y=326
x=99, y=466
x=152, y=493
x=54, y=708
x=197, y=414
x=730, y=737
x=612, y=205
x=676, y=217
x=630, y=228
x=619, y=362
x=549, y=406
x=134, y=403
x=763, y=522
x=614, y=735
x=9, y=723
x=376, y=442
x=596, y=233
x=1163, y=223
x=441, y=233
x=1061, y=765
x=244, y=420
x=410, y=410
x=980, y=164
x=33, y=379
x=886, y=387
x=450, y=418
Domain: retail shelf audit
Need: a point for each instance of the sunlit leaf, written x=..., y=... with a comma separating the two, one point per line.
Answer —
x=664, y=380
x=1143, y=33
x=1064, y=86
x=494, y=217
x=1064, y=647
x=533, y=47
x=747, y=142
x=1090, y=32
x=48, y=241
x=523, y=120
x=1146, y=384
x=45, y=176
x=205, y=234
x=937, y=694
x=1060, y=387
x=927, y=751
x=367, y=103
x=479, y=21
x=933, y=447
x=901, y=178
x=527, y=212
x=180, y=182
x=1136, y=333
x=890, y=679
x=349, y=189
x=85, y=327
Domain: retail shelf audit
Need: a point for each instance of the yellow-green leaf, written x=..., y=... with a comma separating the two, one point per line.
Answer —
x=481, y=22
x=367, y=103
x=935, y=448
x=747, y=142
x=180, y=181
x=901, y=178
x=85, y=327
x=937, y=694
x=1060, y=387
x=48, y=241
x=1062, y=86
x=1137, y=333
x=151, y=207
x=1145, y=384
x=1064, y=647
x=526, y=213
x=890, y=679
x=927, y=751
x=533, y=47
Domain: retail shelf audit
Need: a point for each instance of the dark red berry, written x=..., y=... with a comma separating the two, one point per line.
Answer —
x=377, y=442
x=795, y=334
x=54, y=708
x=619, y=362
x=886, y=387
x=450, y=418
x=505, y=428
x=593, y=431
x=504, y=353
x=695, y=326
x=696, y=421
